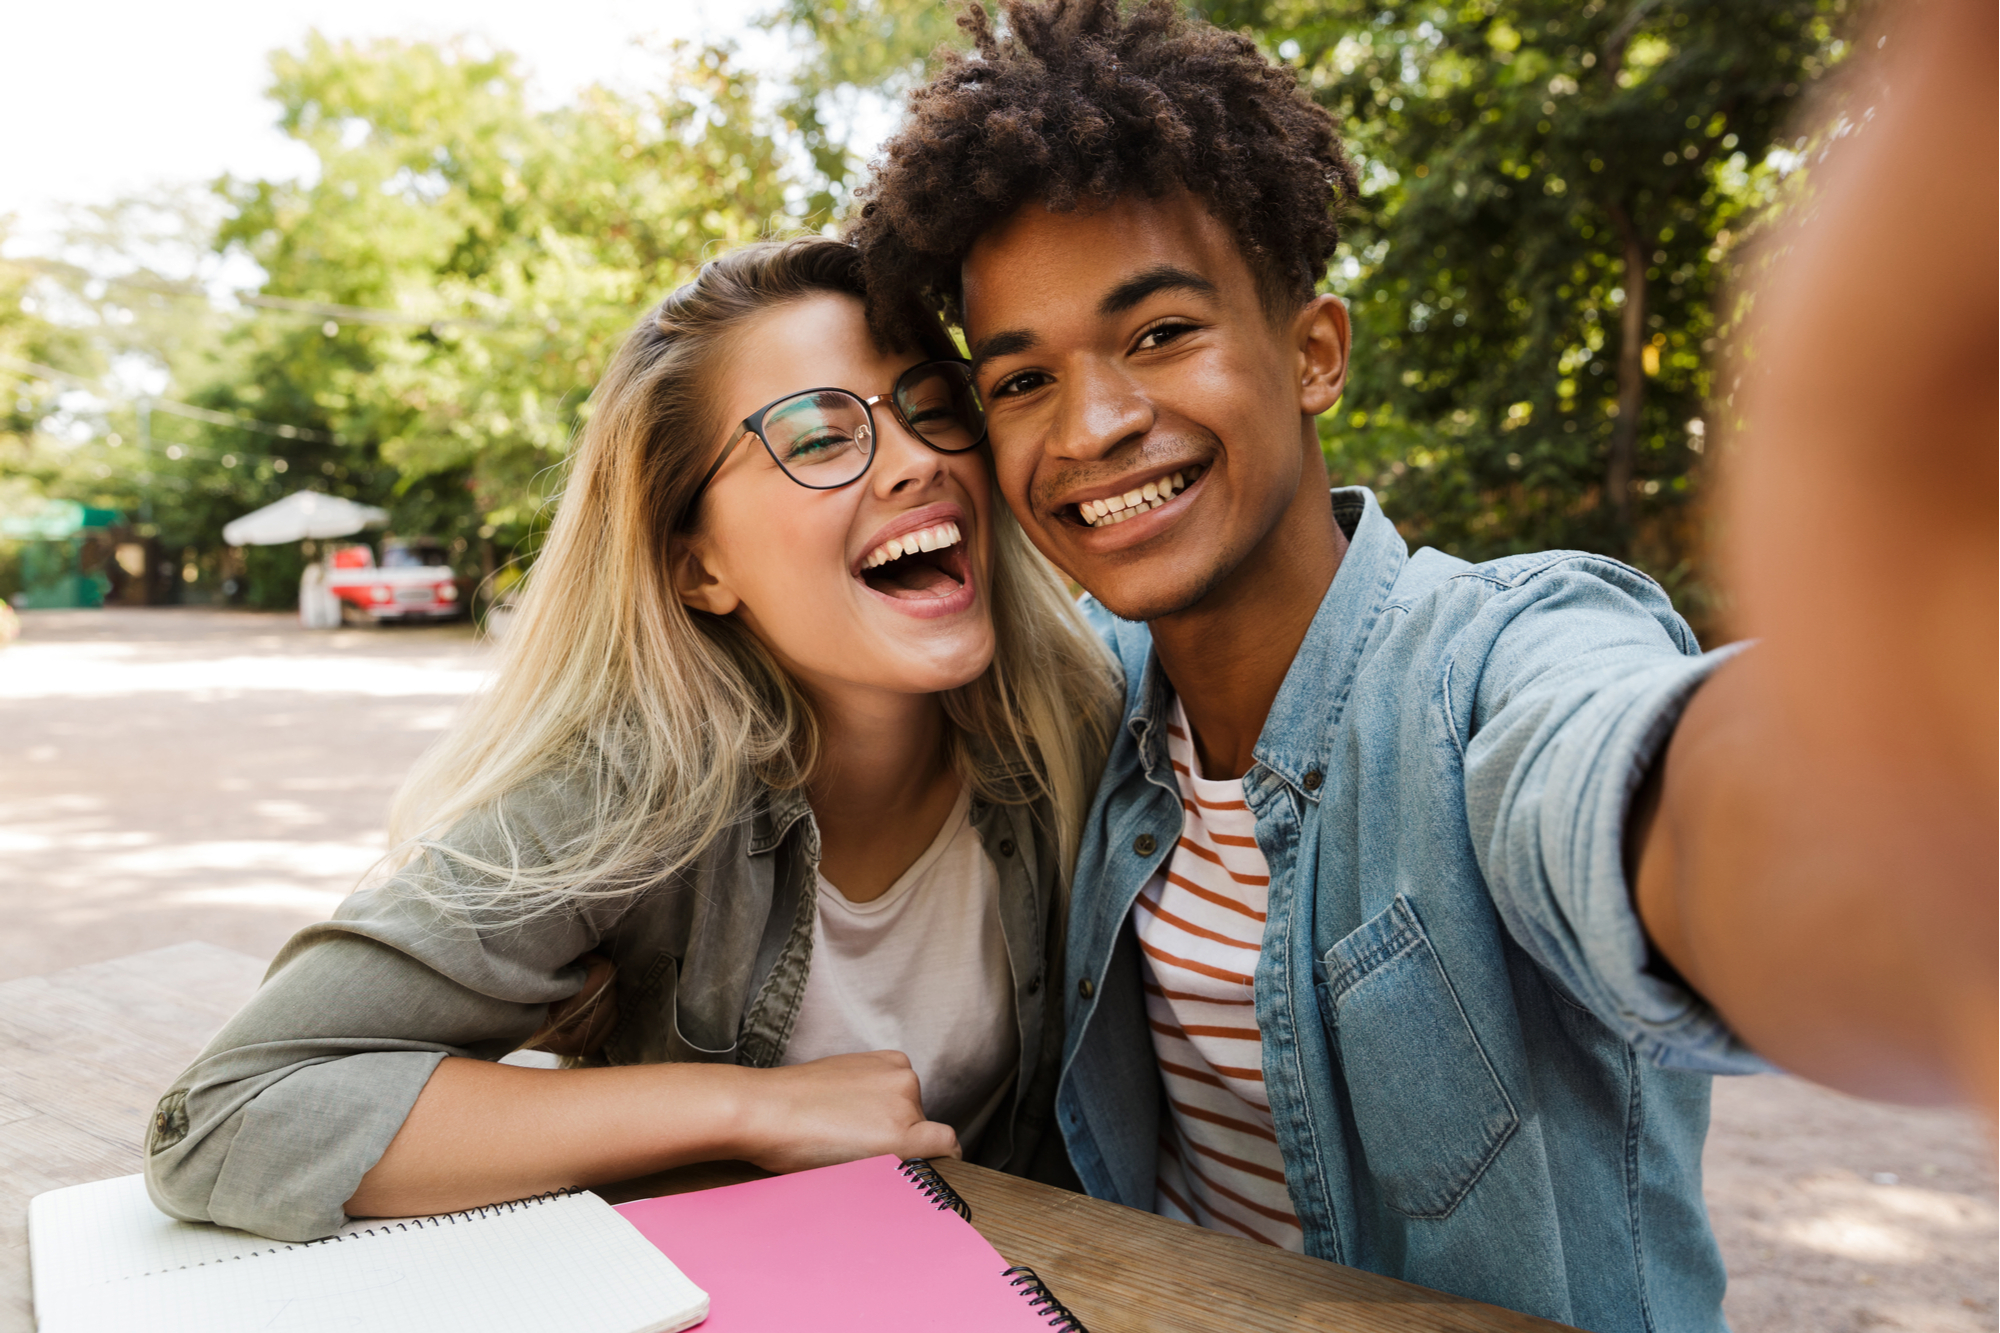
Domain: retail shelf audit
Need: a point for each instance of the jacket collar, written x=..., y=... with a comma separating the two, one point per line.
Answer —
x=1298, y=732
x=774, y=816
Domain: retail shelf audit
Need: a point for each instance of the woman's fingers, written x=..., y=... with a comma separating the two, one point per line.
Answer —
x=931, y=1139
x=841, y=1108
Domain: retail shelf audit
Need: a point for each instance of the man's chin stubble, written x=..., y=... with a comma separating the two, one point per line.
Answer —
x=1164, y=603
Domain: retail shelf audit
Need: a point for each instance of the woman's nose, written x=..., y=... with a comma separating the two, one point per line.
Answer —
x=902, y=460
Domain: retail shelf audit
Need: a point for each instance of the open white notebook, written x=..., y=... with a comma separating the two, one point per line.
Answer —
x=103, y=1258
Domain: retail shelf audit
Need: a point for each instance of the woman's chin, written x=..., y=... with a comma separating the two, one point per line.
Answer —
x=928, y=664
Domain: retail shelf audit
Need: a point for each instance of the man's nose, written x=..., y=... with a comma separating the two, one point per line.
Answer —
x=1103, y=409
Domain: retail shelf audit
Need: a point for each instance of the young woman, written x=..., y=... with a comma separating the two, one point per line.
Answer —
x=764, y=822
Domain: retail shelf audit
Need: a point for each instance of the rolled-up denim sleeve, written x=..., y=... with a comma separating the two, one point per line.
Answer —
x=273, y=1126
x=1585, y=673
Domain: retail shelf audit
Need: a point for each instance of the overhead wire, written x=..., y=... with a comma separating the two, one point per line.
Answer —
x=356, y=314
x=148, y=402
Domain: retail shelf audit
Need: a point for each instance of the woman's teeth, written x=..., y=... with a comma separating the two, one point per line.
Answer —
x=1118, y=508
x=925, y=539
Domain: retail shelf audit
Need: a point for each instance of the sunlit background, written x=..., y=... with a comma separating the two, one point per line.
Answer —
x=383, y=250
x=377, y=254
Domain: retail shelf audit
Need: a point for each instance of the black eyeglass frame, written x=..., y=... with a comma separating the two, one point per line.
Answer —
x=754, y=425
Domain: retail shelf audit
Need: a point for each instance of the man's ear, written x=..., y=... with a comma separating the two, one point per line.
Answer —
x=1322, y=334
x=694, y=584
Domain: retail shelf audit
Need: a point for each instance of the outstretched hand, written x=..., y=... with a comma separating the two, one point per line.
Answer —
x=839, y=1109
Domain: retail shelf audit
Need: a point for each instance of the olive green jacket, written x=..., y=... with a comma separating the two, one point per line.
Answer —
x=273, y=1126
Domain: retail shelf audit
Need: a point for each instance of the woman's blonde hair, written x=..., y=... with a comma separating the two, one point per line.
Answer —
x=667, y=721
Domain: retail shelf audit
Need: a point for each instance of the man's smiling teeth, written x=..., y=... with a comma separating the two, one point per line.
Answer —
x=924, y=539
x=1118, y=508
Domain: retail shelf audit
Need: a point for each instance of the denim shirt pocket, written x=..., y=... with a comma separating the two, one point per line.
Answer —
x=1427, y=1104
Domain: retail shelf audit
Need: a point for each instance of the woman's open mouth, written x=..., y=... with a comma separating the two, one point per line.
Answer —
x=926, y=570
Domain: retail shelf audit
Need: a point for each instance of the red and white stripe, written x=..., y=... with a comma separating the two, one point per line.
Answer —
x=1200, y=924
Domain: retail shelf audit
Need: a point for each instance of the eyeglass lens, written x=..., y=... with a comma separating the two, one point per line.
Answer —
x=937, y=401
x=823, y=439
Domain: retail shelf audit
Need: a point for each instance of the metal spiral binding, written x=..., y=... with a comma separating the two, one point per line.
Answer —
x=1043, y=1301
x=410, y=1224
x=925, y=1177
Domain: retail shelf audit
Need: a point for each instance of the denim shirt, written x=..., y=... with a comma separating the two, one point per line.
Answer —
x=274, y=1124
x=1476, y=1083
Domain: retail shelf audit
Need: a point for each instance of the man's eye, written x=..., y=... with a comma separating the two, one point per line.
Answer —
x=1162, y=334
x=1016, y=385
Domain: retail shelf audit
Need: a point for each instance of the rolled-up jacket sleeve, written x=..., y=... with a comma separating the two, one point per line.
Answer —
x=1583, y=672
x=272, y=1128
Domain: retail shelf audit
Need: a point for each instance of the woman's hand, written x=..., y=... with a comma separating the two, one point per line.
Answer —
x=839, y=1109
x=484, y=1131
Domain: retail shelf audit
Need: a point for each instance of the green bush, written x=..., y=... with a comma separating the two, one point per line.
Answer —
x=271, y=576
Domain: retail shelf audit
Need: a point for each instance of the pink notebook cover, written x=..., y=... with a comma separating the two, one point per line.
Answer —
x=855, y=1248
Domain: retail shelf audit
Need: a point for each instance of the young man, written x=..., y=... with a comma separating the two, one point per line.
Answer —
x=1387, y=941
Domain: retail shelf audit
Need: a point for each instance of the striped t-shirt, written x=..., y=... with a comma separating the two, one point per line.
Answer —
x=1200, y=924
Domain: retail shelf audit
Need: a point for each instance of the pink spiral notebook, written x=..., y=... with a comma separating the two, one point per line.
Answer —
x=874, y=1246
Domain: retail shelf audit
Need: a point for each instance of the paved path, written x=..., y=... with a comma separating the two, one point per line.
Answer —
x=178, y=774
x=171, y=774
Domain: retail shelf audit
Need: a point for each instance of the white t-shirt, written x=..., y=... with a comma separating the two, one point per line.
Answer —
x=1200, y=925
x=923, y=970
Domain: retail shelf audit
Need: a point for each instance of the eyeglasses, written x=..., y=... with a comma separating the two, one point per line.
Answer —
x=825, y=438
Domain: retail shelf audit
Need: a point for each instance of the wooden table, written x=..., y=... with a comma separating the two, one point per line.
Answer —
x=85, y=1052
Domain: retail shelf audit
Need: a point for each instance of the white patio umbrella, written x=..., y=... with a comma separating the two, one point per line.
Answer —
x=300, y=516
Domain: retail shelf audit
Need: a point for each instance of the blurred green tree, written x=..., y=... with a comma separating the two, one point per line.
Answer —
x=436, y=301
x=442, y=297
x=860, y=58
x=1556, y=196
x=30, y=460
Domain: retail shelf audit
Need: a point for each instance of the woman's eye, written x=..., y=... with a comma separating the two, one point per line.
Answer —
x=1162, y=334
x=811, y=446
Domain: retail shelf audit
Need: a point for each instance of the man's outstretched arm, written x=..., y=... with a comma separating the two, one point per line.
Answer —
x=1815, y=854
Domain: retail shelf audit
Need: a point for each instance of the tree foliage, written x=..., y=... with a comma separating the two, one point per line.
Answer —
x=1555, y=195
x=493, y=256
x=1556, y=198
x=436, y=301
x=862, y=56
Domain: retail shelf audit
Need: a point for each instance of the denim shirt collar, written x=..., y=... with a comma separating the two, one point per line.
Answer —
x=1299, y=728
x=773, y=817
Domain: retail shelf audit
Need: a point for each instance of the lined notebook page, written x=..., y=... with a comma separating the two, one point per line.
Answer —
x=566, y=1263
x=110, y=1229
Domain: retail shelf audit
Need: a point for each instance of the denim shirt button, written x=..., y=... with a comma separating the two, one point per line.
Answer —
x=1085, y=989
x=1313, y=780
x=1034, y=985
x=1143, y=845
x=1006, y=847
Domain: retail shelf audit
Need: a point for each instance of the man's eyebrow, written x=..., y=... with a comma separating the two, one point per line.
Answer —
x=1008, y=342
x=1162, y=278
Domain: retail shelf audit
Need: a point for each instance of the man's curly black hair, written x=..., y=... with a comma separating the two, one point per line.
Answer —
x=1080, y=103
